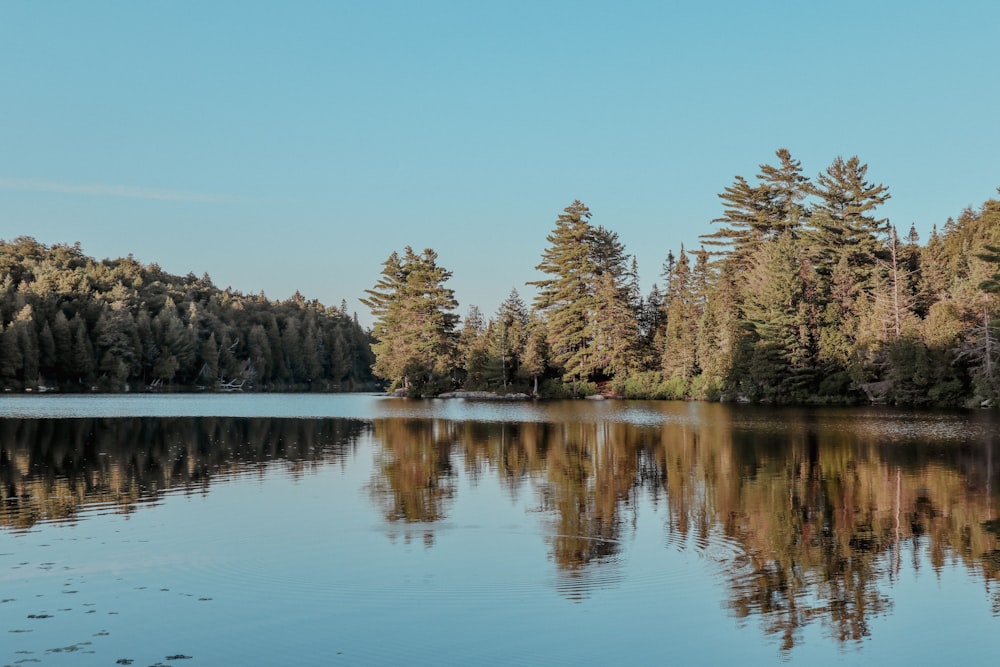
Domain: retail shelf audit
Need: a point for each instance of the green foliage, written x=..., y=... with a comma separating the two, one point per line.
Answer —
x=644, y=384
x=587, y=299
x=809, y=296
x=705, y=388
x=949, y=393
x=80, y=323
x=674, y=388
x=554, y=388
x=415, y=340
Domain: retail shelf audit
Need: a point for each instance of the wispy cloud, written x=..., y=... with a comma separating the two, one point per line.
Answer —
x=104, y=190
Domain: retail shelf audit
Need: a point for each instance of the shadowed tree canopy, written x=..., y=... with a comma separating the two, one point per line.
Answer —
x=116, y=324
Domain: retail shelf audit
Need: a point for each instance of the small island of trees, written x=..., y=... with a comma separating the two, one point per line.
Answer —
x=802, y=294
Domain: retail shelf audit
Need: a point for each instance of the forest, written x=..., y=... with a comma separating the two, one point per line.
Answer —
x=800, y=293
x=72, y=323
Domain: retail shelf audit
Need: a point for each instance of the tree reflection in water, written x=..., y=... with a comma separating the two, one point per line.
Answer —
x=813, y=516
x=50, y=469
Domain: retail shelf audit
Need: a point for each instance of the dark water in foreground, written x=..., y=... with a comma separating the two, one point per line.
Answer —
x=317, y=530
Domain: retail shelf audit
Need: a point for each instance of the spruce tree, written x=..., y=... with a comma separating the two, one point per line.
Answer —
x=680, y=333
x=29, y=349
x=843, y=220
x=534, y=361
x=566, y=297
x=415, y=340
x=509, y=335
x=587, y=300
x=209, y=354
x=474, y=349
x=778, y=312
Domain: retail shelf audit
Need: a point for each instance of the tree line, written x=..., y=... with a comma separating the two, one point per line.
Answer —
x=73, y=323
x=801, y=294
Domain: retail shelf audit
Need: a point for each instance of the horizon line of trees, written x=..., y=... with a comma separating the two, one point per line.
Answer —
x=803, y=293
x=72, y=323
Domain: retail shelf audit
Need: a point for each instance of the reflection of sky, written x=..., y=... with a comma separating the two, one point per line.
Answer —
x=272, y=566
x=276, y=568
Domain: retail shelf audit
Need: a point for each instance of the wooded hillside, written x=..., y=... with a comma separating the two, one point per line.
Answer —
x=73, y=323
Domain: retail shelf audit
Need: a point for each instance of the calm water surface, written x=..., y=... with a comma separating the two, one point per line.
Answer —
x=352, y=529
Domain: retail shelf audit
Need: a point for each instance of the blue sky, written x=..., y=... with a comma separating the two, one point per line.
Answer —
x=294, y=145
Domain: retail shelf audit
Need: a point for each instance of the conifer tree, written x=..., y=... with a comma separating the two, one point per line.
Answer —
x=984, y=347
x=291, y=345
x=11, y=361
x=46, y=351
x=587, y=298
x=259, y=350
x=340, y=356
x=680, y=333
x=27, y=340
x=210, y=361
x=114, y=343
x=311, y=364
x=843, y=220
x=754, y=213
x=509, y=333
x=82, y=351
x=612, y=330
x=474, y=349
x=62, y=338
x=652, y=317
x=777, y=308
x=112, y=301
x=415, y=340
x=565, y=298
x=535, y=358
x=279, y=367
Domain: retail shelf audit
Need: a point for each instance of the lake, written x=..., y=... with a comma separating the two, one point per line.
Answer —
x=245, y=529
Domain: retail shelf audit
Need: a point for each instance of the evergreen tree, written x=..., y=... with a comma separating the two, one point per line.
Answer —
x=340, y=356
x=474, y=349
x=115, y=301
x=984, y=347
x=652, y=317
x=11, y=361
x=613, y=330
x=534, y=361
x=278, y=367
x=209, y=354
x=414, y=330
x=566, y=297
x=27, y=339
x=62, y=338
x=843, y=220
x=149, y=351
x=47, y=351
x=587, y=298
x=755, y=213
x=509, y=335
x=259, y=349
x=680, y=333
x=82, y=351
x=114, y=343
x=777, y=308
x=291, y=345
x=311, y=353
